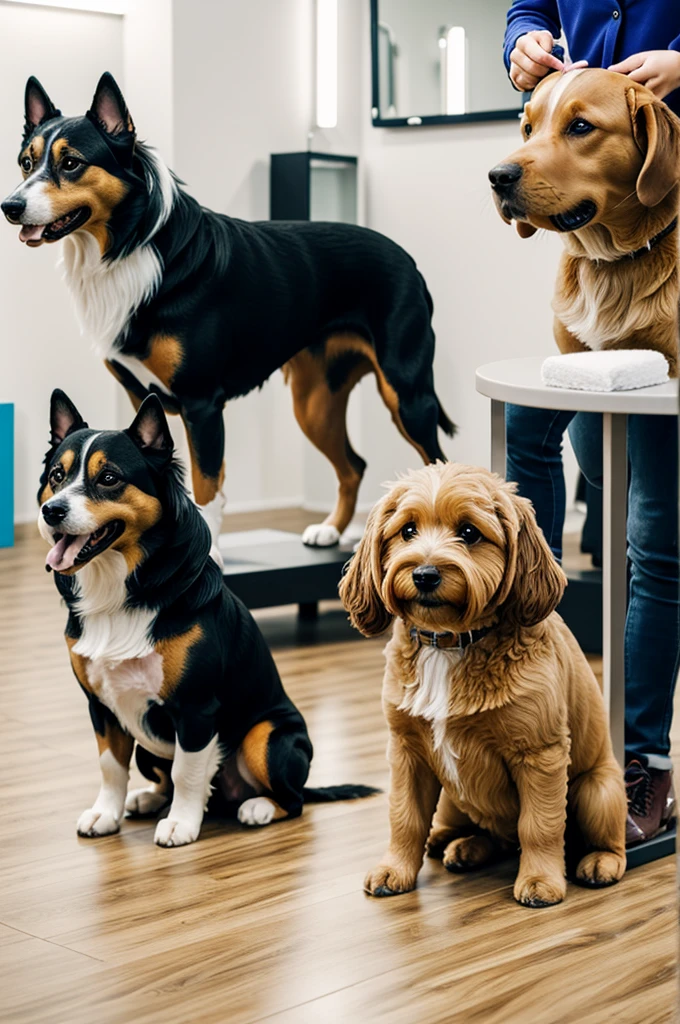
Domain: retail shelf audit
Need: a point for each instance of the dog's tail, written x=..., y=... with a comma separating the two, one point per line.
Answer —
x=444, y=422
x=328, y=794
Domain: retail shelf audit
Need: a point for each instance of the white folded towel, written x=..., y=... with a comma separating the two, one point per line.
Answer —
x=620, y=370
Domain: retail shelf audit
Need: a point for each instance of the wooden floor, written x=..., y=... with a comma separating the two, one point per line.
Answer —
x=272, y=925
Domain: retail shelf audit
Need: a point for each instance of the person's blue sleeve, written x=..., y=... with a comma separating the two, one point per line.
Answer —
x=675, y=45
x=529, y=16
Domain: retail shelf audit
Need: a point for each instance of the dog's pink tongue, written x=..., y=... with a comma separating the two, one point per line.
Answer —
x=65, y=551
x=31, y=232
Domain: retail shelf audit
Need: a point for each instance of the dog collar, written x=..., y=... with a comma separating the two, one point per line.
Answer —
x=448, y=641
x=652, y=241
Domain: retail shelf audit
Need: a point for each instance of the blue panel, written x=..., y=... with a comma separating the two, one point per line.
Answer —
x=6, y=475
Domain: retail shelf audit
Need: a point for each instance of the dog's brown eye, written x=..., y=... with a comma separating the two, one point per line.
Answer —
x=409, y=531
x=57, y=475
x=70, y=163
x=26, y=164
x=469, y=533
x=108, y=478
x=579, y=126
x=527, y=130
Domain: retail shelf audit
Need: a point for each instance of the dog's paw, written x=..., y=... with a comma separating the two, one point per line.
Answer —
x=600, y=868
x=93, y=823
x=257, y=811
x=437, y=841
x=539, y=891
x=175, y=833
x=320, y=535
x=386, y=880
x=468, y=853
x=143, y=803
x=216, y=556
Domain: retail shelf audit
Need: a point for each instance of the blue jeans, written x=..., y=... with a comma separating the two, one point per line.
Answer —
x=652, y=641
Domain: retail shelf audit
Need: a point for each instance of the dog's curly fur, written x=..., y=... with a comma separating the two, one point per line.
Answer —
x=502, y=737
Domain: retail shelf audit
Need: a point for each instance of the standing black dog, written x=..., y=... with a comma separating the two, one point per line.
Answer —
x=165, y=653
x=199, y=307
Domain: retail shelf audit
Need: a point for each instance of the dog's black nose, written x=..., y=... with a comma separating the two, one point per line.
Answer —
x=54, y=513
x=504, y=176
x=13, y=209
x=427, y=578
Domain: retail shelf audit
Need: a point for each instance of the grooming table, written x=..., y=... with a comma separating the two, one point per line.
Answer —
x=273, y=567
x=518, y=381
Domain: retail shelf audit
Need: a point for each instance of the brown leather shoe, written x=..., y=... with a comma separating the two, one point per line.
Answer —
x=651, y=801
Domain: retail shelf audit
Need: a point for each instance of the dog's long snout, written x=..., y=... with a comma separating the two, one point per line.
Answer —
x=504, y=176
x=54, y=513
x=13, y=209
x=427, y=578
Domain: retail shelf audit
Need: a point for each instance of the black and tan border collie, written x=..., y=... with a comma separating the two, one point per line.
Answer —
x=200, y=308
x=166, y=654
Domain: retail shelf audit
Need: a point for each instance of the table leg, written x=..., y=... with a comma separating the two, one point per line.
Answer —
x=498, y=437
x=614, y=577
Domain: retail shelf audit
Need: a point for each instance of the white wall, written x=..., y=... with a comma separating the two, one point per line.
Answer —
x=40, y=344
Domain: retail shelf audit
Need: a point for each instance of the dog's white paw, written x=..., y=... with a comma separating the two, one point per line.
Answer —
x=175, y=833
x=143, y=802
x=93, y=823
x=320, y=535
x=256, y=811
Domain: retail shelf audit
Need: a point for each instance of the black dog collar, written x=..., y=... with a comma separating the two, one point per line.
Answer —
x=652, y=241
x=448, y=641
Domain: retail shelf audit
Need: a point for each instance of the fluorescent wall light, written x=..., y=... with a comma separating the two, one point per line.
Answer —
x=456, y=70
x=326, y=63
x=100, y=6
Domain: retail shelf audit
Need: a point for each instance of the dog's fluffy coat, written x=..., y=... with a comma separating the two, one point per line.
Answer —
x=500, y=737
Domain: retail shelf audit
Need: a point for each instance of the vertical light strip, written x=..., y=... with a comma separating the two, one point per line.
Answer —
x=456, y=70
x=326, y=63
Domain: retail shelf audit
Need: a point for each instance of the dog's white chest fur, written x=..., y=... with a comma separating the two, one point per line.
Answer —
x=429, y=698
x=123, y=668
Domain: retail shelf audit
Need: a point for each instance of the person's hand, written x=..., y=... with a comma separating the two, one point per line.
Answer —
x=659, y=70
x=532, y=59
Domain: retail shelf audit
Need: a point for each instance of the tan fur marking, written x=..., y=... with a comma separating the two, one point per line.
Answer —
x=139, y=512
x=66, y=462
x=95, y=463
x=79, y=664
x=255, y=749
x=205, y=487
x=96, y=189
x=120, y=743
x=164, y=358
x=175, y=651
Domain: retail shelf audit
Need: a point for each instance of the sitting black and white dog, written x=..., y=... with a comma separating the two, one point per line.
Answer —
x=166, y=654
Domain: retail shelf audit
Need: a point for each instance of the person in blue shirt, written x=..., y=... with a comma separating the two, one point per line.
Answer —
x=639, y=38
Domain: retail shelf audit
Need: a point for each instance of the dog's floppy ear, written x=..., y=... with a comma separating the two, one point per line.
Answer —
x=38, y=107
x=657, y=133
x=149, y=430
x=360, y=587
x=64, y=417
x=109, y=110
x=534, y=583
x=525, y=229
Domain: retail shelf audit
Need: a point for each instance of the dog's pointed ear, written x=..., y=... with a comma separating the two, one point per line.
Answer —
x=525, y=229
x=38, y=107
x=656, y=131
x=109, y=109
x=533, y=583
x=149, y=430
x=64, y=417
x=360, y=587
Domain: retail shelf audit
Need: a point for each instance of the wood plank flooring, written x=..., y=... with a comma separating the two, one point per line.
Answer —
x=247, y=926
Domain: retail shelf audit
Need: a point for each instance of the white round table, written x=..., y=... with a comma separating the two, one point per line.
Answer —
x=518, y=381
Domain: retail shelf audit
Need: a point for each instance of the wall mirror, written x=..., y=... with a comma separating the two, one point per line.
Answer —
x=440, y=62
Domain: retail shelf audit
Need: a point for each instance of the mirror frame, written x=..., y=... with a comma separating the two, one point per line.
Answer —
x=416, y=120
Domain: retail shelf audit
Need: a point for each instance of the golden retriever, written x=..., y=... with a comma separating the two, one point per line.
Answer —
x=601, y=164
x=495, y=716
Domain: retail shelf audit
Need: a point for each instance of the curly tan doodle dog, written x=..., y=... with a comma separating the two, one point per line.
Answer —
x=495, y=717
x=601, y=164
